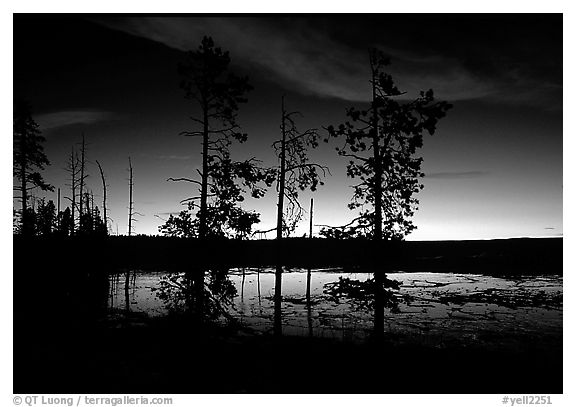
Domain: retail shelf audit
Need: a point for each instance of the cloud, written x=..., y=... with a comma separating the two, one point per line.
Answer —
x=299, y=54
x=457, y=175
x=305, y=58
x=49, y=121
x=450, y=80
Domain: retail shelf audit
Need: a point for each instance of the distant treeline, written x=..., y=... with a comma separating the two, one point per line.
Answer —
x=505, y=256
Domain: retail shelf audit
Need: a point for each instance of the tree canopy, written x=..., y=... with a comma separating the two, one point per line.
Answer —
x=217, y=92
x=28, y=157
x=381, y=142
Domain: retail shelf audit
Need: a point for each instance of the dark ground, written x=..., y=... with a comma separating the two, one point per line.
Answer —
x=61, y=347
x=148, y=360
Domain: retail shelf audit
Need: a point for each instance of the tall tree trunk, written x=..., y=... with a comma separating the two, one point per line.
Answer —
x=309, y=274
x=378, y=273
x=203, y=229
x=279, y=226
x=281, y=178
x=377, y=161
x=81, y=180
x=73, y=185
x=104, y=200
x=130, y=206
x=58, y=220
x=311, y=216
x=198, y=277
x=88, y=225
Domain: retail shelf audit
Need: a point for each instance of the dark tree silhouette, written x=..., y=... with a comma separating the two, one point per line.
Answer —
x=217, y=93
x=130, y=201
x=174, y=291
x=104, y=189
x=82, y=181
x=86, y=221
x=28, y=159
x=91, y=223
x=73, y=169
x=230, y=183
x=309, y=273
x=181, y=225
x=46, y=221
x=66, y=223
x=295, y=173
x=58, y=217
x=131, y=212
x=381, y=143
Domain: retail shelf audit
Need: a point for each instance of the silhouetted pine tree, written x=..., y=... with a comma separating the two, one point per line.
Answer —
x=381, y=143
x=217, y=93
x=46, y=218
x=66, y=223
x=28, y=159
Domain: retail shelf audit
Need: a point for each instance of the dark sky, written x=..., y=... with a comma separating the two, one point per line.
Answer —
x=494, y=167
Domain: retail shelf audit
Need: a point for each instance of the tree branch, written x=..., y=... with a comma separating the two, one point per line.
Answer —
x=184, y=179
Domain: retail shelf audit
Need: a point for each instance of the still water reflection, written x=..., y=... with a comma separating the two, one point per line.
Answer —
x=439, y=308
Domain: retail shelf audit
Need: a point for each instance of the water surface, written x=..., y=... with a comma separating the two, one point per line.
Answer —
x=440, y=309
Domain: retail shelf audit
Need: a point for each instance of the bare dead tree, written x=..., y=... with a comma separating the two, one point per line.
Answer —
x=130, y=201
x=104, y=198
x=72, y=167
x=83, y=176
x=131, y=212
x=295, y=173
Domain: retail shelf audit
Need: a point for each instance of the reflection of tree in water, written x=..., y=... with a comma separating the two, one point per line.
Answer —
x=178, y=293
x=362, y=294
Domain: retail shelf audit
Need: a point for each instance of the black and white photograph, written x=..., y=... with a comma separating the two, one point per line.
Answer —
x=334, y=203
